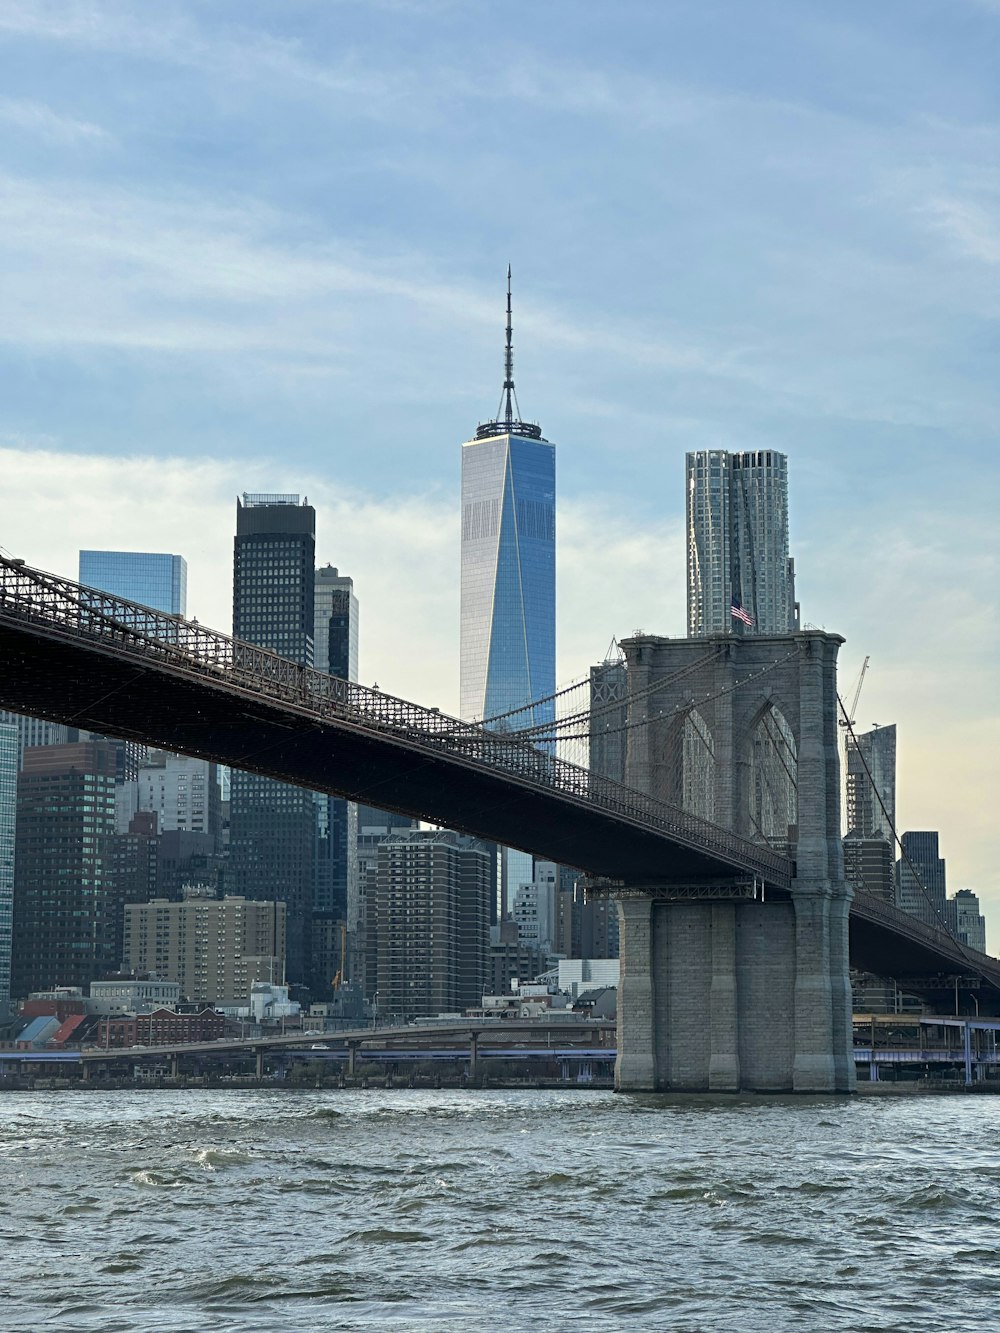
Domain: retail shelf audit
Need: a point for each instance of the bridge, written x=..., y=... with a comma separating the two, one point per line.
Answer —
x=691, y=836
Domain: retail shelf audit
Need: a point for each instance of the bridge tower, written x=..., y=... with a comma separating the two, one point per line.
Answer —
x=727, y=986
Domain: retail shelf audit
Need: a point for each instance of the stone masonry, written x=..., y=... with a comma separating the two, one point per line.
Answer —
x=733, y=987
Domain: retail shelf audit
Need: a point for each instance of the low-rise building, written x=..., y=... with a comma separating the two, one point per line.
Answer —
x=133, y=995
x=160, y=1027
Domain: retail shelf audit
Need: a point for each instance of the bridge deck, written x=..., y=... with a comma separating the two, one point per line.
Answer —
x=77, y=656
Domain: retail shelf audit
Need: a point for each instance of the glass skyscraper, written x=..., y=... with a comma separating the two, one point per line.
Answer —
x=508, y=626
x=155, y=580
x=272, y=824
x=740, y=577
x=508, y=617
x=871, y=784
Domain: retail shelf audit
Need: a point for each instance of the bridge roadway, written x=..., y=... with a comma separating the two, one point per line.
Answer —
x=536, y=1035
x=78, y=656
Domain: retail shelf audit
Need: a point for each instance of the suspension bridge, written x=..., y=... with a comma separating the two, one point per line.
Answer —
x=688, y=779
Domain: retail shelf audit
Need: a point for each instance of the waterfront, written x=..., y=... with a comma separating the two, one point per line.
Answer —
x=188, y=1211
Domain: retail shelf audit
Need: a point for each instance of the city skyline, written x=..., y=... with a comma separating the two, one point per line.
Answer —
x=268, y=318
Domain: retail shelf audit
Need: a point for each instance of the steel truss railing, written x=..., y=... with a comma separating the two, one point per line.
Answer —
x=141, y=633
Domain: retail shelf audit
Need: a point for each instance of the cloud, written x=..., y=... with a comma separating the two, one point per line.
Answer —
x=401, y=549
x=972, y=228
x=38, y=119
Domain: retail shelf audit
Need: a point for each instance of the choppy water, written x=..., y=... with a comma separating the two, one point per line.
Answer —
x=198, y=1210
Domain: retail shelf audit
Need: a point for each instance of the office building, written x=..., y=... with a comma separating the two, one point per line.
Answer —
x=920, y=879
x=152, y=579
x=272, y=824
x=512, y=959
x=335, y=652
x=34, y=731
x=67, y=913
x=508, y=578
x=508, y=609
x=871, y=784
x=970, y=924
x=335, y=632
x=181, y=791
x=740, y=577
x=534, y=908
x=869, y=865
x=8, y=822
x=432, y=918
x=374, y=826
x=215, y=948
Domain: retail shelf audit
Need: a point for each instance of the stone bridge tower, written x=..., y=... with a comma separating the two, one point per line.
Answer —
x=726, y=986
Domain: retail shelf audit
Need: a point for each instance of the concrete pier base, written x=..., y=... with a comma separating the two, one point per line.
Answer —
x=731, y=996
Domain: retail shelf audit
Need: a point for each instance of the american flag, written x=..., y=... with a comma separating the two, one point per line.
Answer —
x=737, y=612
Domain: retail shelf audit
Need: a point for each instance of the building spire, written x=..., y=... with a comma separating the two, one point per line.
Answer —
x=509, y=397
x=508, y=420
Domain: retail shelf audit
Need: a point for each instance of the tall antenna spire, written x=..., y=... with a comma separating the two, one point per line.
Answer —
x=509, y=397
x=508, y=420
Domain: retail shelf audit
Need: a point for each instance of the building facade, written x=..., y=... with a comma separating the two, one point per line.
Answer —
x=336, y=653
x=9, y=764
x=67, y=913
x=871, y=784
x=970, y=924
x=273, y=824
x=216, y=948
x=432, y=918
x=183, y=792
x=869, y=865
x=740, y=577
x=152, y=579
x=921, y=885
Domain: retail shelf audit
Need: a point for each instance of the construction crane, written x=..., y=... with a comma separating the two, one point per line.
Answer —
x=848, y=719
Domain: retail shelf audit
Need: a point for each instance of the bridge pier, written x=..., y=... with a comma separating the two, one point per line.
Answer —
x=732, y=995
x=736, y=977
x=352, y=1058
x=473, y=1057
x=259, y=1065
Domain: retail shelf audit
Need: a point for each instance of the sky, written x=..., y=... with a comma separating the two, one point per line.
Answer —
x=262, y=245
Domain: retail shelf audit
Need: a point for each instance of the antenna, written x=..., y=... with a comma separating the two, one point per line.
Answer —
x=508, y=419
x=508, y=398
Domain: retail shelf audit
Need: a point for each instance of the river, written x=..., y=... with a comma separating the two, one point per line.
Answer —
x=184, y=1211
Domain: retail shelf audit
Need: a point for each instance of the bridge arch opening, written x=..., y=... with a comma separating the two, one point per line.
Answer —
x=773, y=794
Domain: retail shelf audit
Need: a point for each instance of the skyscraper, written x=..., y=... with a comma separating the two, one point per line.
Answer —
x=432, y=921
x=67, y=911
x=8, y=811
x=740, y=576
x=335, y=652
x=508, y=615
x=871, y=783
x=273, y=824
x=970, y=924
x=335, y=648
x=508, y=622
x=922, y=890
x=152, y=579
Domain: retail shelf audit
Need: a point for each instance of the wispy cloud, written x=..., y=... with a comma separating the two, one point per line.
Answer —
x=971, y=227
x=38, y=119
